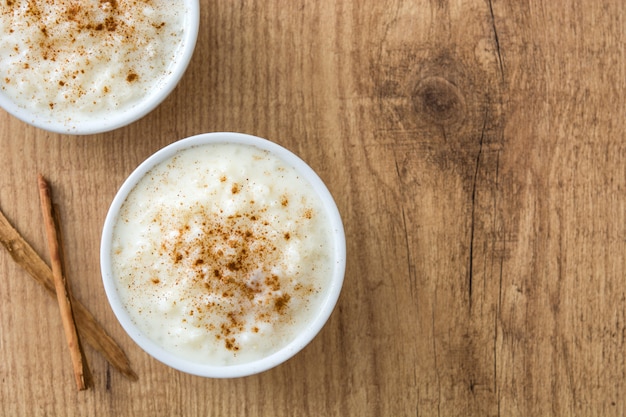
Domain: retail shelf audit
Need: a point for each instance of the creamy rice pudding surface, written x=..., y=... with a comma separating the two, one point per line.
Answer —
x=83, y=58
x=222, y=254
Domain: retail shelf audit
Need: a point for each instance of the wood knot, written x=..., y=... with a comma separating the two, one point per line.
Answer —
x=439, y=101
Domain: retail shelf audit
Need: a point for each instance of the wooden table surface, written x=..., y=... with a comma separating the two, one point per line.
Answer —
x=476, y=150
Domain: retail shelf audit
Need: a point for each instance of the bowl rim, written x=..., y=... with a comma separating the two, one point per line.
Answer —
x=289, y=350
x=109, y=121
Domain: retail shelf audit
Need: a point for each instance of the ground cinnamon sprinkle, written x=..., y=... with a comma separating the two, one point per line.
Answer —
x=230, y=277
x=131, y=77
x=85, y=16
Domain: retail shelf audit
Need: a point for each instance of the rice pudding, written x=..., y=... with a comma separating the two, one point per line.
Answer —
x=223, y=254
x=69, y=61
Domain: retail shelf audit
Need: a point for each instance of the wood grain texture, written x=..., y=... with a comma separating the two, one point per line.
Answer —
x=476, y=150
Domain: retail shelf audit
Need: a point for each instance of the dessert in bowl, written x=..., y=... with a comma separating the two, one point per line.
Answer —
x=92, y=66
x=223, y=255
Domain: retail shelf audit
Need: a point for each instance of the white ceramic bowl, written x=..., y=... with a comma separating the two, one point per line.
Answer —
x=319, y=317
x=108, y=121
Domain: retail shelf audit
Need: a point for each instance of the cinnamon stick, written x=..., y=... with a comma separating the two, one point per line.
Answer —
x=88, y=327
x=57, y=222
x=60, y=285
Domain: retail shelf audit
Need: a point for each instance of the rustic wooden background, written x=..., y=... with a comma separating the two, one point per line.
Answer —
x=476, y=150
